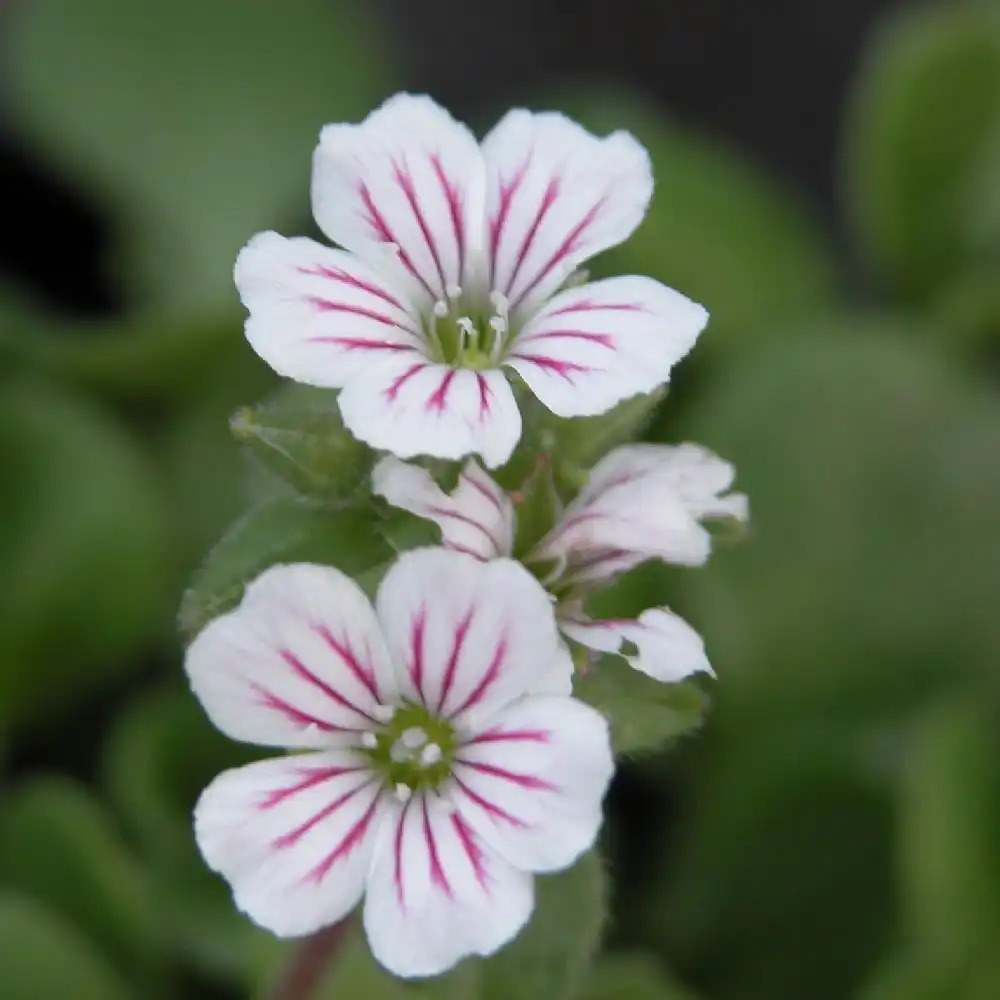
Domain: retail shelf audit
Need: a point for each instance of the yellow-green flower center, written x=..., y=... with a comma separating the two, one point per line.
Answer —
x=414, y=749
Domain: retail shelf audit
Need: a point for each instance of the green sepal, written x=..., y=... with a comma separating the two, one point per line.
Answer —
x=298, y=435
x=43, y=956
x=550, y=957
x=287, y=530
x=644, y=713
x=537, y=507
x=57, y=844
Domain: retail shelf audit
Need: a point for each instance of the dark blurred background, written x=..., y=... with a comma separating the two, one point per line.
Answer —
x=828, y=184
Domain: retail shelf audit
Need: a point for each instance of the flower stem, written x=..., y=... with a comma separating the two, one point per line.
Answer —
x=309, y=963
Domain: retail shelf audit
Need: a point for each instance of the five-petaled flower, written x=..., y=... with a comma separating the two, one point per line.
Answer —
x=454, y=266
x=447, y=761
x=641, y=501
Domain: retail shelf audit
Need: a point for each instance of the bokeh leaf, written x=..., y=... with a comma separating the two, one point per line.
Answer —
x=718, y=229
x=949, y=853
x=57, y=844
x=84, y=561
x=870, y=466
x=194, y=119
x=924, y=108
x=159, y=755
x=42, y=956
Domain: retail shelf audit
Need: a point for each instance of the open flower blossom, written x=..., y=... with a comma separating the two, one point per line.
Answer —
x=454, y=266
x=641, y=501
x=445, y=760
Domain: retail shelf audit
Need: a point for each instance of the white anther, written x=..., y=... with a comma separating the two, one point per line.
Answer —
x=500, y=302
x=384, y=713
x=440, y=309
x=499, y=324
x=403, y=792
x=453, y=291
x=466, y=325
x=369, y=740
x=430, y=754
x=413, y=737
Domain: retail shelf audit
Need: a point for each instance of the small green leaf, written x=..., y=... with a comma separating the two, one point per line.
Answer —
x=925, y=105
x=42, y=957
x=643, y=713
x=285, y=530
x=549, y=959
x=57, y=844
x=299, y=436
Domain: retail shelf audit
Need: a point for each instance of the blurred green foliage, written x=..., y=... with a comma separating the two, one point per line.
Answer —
x=833, y=832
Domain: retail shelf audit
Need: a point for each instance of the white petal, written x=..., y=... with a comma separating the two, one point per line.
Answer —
x=643, y=501
x=668, y=648
x=413, y=407
x=533, y=780
x=293, y=837
x=593, y=346
x=437, y=893
x=698, y=476
x=301, y=661
x=408, y=175
x=478, y=517
x=468, y=636
x=556, y=195
x=319, y=315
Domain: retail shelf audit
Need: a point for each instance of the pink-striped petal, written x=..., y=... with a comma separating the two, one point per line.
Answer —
x=437, y=893
x=668, y=649
x=469, y=637
x=643, y=501
x=410, y=406
x=595, y=345
x=300, y=663
x=319, y=315
x=477, y=518
x=556, y=195
x=293, y=837
x=699, y=477
x=411, y=176
x=531, y=782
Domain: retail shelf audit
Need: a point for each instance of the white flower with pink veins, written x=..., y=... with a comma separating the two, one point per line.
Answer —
x=454, y=266
x=446, y=762
x=641, y=501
